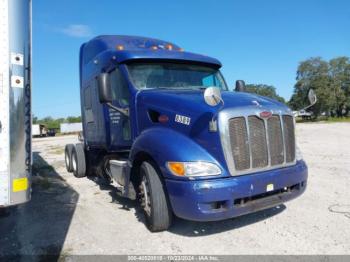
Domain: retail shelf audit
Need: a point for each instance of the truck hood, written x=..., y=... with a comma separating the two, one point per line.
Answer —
x=189, y=115
x=192, y=101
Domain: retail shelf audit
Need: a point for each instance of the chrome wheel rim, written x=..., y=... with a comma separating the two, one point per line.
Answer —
x=145, y=196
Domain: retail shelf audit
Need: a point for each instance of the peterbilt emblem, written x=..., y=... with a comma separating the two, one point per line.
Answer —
x=265, y=114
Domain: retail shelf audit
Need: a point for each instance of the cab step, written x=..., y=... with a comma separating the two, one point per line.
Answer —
x=120, y=171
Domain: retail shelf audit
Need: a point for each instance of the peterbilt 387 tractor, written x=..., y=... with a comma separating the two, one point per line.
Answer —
x=162, y=126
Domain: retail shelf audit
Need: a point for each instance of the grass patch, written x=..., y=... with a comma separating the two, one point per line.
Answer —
x=57, y=150
x=337, y=120
x=325, y=119
x=67, y=134
x=65, y=255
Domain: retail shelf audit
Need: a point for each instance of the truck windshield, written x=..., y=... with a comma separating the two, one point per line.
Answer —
x=174, y=76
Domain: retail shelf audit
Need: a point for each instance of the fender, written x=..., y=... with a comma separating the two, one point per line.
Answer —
x=164, y=144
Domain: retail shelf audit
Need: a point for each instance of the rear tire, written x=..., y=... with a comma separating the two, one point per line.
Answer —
x=68, y=157
x=153, y=199
x=78, y=161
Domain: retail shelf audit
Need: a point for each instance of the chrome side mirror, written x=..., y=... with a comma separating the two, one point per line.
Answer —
x=312, y=97
x=212, y=96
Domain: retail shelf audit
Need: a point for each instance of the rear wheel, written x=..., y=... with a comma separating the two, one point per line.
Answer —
x=78, y=161
x=153, y=199
x=68, y=157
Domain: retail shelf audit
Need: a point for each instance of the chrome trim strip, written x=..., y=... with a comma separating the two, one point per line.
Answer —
x=267, y=144
x=250, y=148
x=223, y=123
x=284, y=140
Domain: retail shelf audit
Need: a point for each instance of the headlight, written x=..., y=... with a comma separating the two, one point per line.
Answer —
x=298, y=154
x=193, y=169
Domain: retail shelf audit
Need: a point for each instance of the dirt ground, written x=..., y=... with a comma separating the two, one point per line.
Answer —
x=84, y=216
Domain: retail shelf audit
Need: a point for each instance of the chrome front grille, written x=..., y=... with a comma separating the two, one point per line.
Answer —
x=289, y=137
x=260, y=144
x=239, y=143
x=257, y=142
x=275, y=140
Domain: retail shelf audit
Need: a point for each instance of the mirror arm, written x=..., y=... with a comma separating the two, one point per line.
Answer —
x=217, y=112
x=310, y=104
x=213, y=126
x=121, y=110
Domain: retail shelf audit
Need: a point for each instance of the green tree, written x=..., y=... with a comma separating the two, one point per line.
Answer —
x=312, y=73
x=73, y=119
x=50, y=122
x=331, y=82
x=264, y=90
x=339, y=69
x=34, y=119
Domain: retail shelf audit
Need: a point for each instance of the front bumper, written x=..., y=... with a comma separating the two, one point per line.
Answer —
x=218, y=199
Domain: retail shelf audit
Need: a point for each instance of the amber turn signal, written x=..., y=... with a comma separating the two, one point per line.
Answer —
x=177, y=168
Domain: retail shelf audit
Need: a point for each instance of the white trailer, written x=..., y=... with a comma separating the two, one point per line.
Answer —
x=71, y=128
x=39, y=130
x=15, y=101
x=36, y=130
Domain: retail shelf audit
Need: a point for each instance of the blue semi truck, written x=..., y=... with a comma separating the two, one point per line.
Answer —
x=161, y=124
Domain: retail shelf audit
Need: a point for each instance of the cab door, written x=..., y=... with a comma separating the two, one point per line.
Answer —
x=120, y=128
x=93, y=116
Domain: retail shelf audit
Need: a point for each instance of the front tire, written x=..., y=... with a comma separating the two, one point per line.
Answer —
x=78, y=161
x=153, y=199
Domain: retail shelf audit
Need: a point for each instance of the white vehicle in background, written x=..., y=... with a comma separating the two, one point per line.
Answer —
x=303, y=114
x=39, y=130
x=15, y=102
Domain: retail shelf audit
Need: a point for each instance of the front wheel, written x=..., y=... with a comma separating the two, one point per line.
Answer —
x=153, y=199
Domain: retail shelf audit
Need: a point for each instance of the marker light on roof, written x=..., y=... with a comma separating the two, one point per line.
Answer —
x=154, y=47
x=169, y=47
x=120, y=47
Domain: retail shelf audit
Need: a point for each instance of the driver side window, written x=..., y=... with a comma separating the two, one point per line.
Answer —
x=120, y=91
